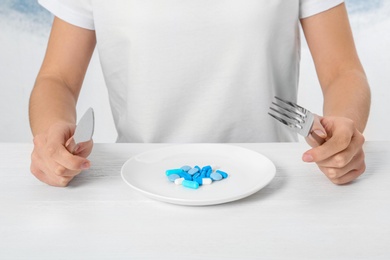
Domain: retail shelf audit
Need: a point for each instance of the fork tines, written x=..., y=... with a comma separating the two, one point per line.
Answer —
x=292, y=115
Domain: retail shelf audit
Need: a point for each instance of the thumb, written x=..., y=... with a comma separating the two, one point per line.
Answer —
x=84, y=148
x=317, y=134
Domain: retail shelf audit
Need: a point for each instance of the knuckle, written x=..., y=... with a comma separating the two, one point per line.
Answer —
x=51, y=149
x=339, y=161
x=60, y=171
x=361, y=139
x=63, y=181
x=331, y=173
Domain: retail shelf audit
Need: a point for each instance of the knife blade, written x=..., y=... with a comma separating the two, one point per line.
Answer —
x=83, y=132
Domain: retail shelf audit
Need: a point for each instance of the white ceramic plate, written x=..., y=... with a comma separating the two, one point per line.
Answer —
x=248, y=172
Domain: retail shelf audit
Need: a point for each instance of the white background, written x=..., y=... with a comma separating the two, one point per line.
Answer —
x=23, y=44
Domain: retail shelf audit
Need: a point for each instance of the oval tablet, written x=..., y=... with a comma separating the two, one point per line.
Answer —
x=173, y=177
x=215, y=176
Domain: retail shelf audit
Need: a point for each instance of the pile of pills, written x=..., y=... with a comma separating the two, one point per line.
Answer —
x=194, y=177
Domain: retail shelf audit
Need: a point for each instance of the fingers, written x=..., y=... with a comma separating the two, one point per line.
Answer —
x=39, y=172
x=318, y=133
x=347, y=173
x=62, y=157
x=340, y=138
x=71, y=145
x=52, y=163
x=84, y=149
x=341, y=157
x=49, y=171
x=347, y=178
x=333, y=154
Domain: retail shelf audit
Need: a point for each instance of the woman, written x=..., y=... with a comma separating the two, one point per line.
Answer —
x=199, y=71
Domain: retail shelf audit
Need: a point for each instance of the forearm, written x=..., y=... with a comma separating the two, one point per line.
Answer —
x=51, y=102
x=349, y=96
x=59, y=81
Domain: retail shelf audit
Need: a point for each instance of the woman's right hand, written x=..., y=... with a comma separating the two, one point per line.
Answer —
x=51, y=162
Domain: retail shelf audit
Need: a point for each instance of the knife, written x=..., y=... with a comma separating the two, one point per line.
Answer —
x=83, y=132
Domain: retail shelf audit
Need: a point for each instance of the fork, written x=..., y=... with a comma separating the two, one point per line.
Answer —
x=299, y=119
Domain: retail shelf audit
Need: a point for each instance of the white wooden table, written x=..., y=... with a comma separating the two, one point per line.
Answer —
x=299, y=215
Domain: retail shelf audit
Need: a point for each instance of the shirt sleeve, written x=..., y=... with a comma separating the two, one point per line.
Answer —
x=312, y=7
x=76, y=12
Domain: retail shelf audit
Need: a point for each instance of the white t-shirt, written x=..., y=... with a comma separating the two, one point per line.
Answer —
x=195, y=70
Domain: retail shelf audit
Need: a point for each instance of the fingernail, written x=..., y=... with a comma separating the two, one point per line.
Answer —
x=307, y=158
x=320, y=133
x=85, y=166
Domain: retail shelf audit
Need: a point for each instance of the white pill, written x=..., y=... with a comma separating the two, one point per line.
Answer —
x=178, y=181
x=206, y=181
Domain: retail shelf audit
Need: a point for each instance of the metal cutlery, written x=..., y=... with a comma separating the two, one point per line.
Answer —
x=83, y=132
x=297, y=118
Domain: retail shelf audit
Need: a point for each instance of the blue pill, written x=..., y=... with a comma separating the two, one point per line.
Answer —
x=193, y=171
x=173, y=177
x=190, y=184
x=186, y=168
x=196, y=175
x=206, y=168
x=186, y=176
x=224, y=174
x=215, y=176
x=209, y=173
x=199, y=180
x=173, y=171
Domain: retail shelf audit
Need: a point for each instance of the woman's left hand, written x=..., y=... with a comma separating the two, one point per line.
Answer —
x=337, y=149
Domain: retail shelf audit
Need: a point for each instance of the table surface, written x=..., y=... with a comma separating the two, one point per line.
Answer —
x=299, y=215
